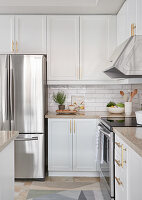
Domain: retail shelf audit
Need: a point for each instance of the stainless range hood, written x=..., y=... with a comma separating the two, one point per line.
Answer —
x=126, y=62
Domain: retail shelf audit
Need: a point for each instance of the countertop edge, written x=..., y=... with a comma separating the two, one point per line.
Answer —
x=128, y=142
x=85, y=115
x=2, y=147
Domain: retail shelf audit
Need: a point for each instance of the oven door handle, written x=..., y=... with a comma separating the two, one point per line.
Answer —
x=105, y=133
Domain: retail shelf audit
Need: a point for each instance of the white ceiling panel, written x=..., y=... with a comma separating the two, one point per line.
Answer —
x=60, y=6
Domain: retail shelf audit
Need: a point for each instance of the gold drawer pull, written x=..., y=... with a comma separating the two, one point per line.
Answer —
x=118, y=181
x=70, y=126
x=12, y=46
x=16, y=46
x=74, y=126
x=118, y=163
x=118, y=144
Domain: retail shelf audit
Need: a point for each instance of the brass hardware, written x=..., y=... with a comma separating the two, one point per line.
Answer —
x=70, y=126
x=16, y=46
x=118, y=163
x=74, y=126
x=12, y=46
x=118, y=144
x=122, y=162
x=133, y=26
x=118, y=181
x=125, y=149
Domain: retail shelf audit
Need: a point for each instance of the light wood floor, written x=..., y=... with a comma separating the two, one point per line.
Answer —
x=56, y=183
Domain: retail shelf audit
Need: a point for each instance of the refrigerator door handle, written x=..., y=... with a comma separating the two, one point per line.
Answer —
x=7, y=94
x=26, y=139
x=12, y=95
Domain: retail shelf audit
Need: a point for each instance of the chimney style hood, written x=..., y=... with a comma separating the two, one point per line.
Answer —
x=126, y=62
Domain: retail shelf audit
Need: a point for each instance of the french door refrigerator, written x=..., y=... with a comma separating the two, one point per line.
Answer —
x=22, y=83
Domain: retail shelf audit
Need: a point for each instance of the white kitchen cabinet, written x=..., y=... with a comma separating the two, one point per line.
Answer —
x=122, y=28
x=7, y=172
x=129, y=174
x=63, y=47
x=97, y=42
x=6, y=34
x=84, y=145
x=121, y=169
x=139, y=17
x=59, y=145
x=30, y=34
x=128, y=15
x=72, y=146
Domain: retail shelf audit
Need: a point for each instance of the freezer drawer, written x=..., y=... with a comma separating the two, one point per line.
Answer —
x=29, y=156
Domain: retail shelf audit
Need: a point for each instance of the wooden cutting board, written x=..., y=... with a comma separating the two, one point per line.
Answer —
x=66, y=112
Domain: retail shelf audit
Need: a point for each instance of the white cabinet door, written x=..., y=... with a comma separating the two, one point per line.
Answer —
x=96, y=45
x=122, y=28
x=139, y=17
x=59, y=145
x=84, y=145
x=131, y=15
x=30, y=33
x=6, y=33
x=63, y=47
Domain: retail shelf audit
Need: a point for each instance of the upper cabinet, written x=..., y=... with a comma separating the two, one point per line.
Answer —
x=79, y=47
x=25, y=34
x=63, y=47
x=6, y=33
x=130, y=13
x=30, y=34
x=97, y=42
x=122, y=29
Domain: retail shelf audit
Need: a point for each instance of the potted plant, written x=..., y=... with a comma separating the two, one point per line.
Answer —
x=60, y=98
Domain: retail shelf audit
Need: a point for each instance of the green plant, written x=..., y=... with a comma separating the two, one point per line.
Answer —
x=59, y=98
x=111, y=104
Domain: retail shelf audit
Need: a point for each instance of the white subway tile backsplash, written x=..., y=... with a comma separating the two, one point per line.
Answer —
x=96, y=97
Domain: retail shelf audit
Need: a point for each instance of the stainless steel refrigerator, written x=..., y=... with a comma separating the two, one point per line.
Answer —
x=22, y=108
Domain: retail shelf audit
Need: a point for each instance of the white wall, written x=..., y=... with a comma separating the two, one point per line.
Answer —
x=96, y=96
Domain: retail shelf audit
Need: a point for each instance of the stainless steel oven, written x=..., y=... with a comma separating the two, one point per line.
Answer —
x=106, y=161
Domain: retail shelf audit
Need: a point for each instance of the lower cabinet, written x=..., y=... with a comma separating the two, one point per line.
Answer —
x=59, y=145
x=128, y=175
x=72, y=145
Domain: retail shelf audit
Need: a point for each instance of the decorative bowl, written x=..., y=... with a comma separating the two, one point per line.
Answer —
x=116, y=110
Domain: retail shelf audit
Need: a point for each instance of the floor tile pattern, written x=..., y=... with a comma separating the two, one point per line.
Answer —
x=66, y=185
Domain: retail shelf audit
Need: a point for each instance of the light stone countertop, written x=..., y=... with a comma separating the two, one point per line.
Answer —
x=132, y=136
x=7, y=137
x=86, y=115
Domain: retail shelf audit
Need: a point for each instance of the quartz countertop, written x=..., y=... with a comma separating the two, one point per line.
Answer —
x=86, y=115
x=6, y=137
x=132, y=136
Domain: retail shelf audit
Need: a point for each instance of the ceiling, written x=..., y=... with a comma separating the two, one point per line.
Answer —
x=60, y=6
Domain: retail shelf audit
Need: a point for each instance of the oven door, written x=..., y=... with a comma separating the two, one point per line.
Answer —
x=107, y=160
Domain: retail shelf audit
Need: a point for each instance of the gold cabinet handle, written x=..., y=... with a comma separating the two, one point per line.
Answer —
x=74, y=126
x=12, y=46
x=16, y=46
x=118, y=163
x=122, y=156
x=118, y=181
x=118, y=144
x=70, y=126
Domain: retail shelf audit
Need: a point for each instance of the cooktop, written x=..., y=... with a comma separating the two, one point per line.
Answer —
x=120, y=122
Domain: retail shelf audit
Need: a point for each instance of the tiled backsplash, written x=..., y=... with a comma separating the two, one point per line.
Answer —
x=96, y=96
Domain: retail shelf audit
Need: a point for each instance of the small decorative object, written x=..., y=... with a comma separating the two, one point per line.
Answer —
x=78, y=102
x=71, y=107
x=115, y=108
x=60, y=98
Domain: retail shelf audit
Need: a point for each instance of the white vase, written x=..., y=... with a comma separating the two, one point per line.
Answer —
x=128, y=108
